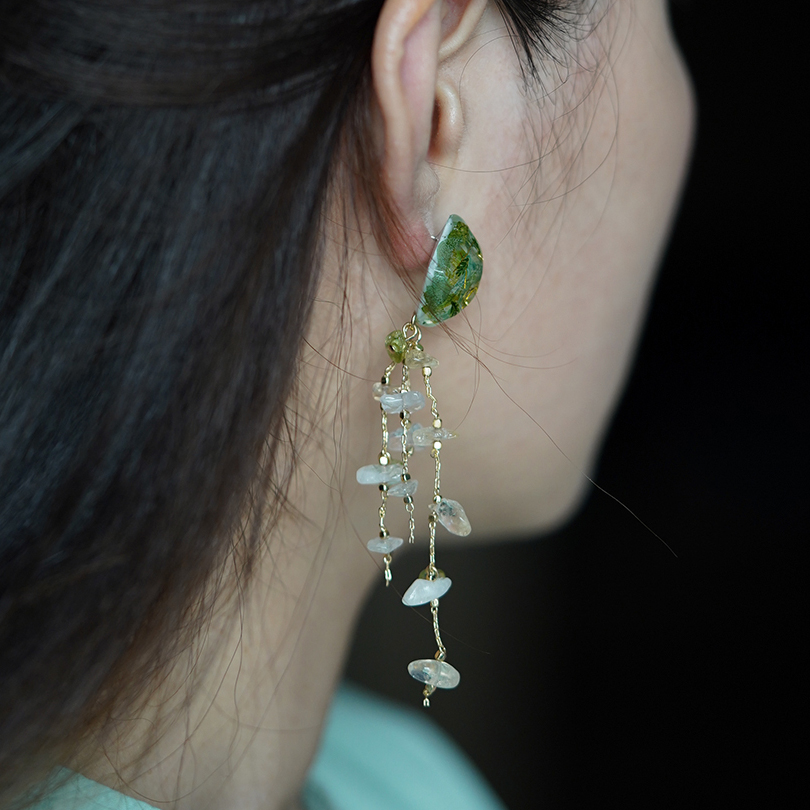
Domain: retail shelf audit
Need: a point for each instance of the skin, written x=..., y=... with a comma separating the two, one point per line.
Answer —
x=528, y=376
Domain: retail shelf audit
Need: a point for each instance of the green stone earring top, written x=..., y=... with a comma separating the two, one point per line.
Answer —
x=453, y=274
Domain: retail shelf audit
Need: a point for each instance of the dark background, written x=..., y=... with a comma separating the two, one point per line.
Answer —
x=611, y=673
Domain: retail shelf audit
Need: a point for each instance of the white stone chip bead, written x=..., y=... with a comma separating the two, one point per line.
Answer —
x=396, y=437
x=403, y=489
x=384, y=545
x=420, y=359
x=424, y=437
x=379, y=390
x=397, y=434
x=379, y=473
x=405, y=401
x=452, y=516
x=423, y=591
x=434, y=673
x=413, y=401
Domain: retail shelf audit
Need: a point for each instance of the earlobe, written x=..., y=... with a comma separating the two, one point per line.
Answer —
x=421, y=113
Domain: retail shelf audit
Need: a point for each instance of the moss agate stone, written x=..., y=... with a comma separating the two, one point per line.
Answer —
x=453, y=274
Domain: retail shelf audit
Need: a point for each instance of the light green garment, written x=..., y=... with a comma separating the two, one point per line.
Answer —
x=79, y=793
x=374, y=755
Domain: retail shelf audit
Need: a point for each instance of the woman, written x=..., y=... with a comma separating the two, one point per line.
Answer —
x=213, y=214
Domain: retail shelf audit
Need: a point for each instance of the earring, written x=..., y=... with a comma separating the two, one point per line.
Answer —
x=451, y=282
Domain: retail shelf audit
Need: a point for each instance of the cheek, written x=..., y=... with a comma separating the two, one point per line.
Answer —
x=577, y=237
x=571, y=199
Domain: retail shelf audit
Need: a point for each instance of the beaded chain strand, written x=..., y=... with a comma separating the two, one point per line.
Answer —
x=394, y=480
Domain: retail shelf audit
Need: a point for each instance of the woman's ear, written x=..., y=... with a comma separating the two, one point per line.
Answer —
x=421, y=112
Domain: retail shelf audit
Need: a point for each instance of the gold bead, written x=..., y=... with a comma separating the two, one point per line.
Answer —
x=437, y=445
x=427, y=371
x=437, y=423
x=383, y=459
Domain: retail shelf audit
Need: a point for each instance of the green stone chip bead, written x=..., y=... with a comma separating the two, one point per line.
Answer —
x=453, y=274
x=396, y=345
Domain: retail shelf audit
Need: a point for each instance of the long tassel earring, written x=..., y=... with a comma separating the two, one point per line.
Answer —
x=452, y=280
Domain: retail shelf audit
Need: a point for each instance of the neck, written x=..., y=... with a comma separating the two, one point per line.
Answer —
x=241, y=730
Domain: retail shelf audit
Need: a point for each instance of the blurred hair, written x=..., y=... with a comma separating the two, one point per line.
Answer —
x=163, y=170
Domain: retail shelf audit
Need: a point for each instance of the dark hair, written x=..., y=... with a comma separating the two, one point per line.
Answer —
x=163, y=170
